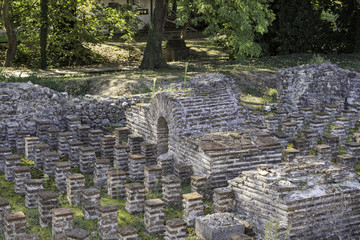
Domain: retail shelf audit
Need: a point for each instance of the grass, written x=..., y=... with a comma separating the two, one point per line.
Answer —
x=17, y=203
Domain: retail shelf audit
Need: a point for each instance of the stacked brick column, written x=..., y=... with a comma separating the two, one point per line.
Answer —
x=154, y=216
x=171, y=190
x=347, y=159
x=121, y=155
x=345, y=122
x=74, y=184
x=183, y=171
x=306, y=113
x=62, y=221
x=11, y=129
x=166, y=162
x=192, y=207
x=324, y=151
x=5, y=208
x=42, y=127
x=333, y=142
x=50, y=158
x=136, y=167
x=289, y=128
x=302, y=145
x=199, y=184
x=135, y=197
x=107, y=222
x=223, y=200
x=312, y=136
x=22, y=174
x=47, y=201
x=90, y=200
x=74, y=152
x=62, y=169
x=135, y=143
x=107, y=147
x=288, y=155
x=354, y=149
x=94, y=139
x=152, y=176
x=127, y=233
x=64, y=139
x=72, y=123
x=52, y=137
x=11, y=162
x=15, y=225
x=20, y=141
x=82, y=134
x=271, y=124
x=149, y=150
x=318, y=126
x=32, y=188
x=40, y=149
x=175, y=229
x=30, y=147
x=102, y=167
x=4, y=151
x=340, y=132
x=77, y=234
x=121, y=135
x=87, y=159
x=116, y=184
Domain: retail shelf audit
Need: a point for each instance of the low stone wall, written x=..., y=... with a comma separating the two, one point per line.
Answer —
x=24, y=106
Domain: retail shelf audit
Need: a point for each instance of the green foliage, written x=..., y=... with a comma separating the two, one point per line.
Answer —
x=318, y=59
x=272, y=231
x=72, y=23
x=294, y=29
x=231, y=24
x=290, y=146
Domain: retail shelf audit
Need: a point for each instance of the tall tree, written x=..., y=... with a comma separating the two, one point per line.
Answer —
x=44, y=18
x=10, y=33
x=233, y=24
x=153, y=58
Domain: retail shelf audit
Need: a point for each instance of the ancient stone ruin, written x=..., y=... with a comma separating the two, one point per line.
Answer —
x=293, y=165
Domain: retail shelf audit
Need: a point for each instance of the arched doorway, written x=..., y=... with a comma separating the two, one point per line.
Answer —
x=162, y=136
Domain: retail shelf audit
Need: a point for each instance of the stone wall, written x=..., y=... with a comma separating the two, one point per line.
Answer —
x=316, y=86
x=24, y=105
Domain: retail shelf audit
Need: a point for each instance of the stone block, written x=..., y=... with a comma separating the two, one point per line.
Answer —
x=218, y=226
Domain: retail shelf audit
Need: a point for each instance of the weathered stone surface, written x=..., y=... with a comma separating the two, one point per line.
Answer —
x=74, y=184
x=135, y=197
x=4, y=209
x=116, y=184
x=218, y=226
x=107, y=222
x=316, y=86
x=175, y=229
x=47, y=201
x=77, y=234
x=15, y=225
x=317, y=197
x=154, y=216
x=62, y=221
x=193, y=207
x=127, y=233
x=90, y=200
x=32, y=188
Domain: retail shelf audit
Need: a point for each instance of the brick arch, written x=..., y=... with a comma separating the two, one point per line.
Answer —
x=162, y=135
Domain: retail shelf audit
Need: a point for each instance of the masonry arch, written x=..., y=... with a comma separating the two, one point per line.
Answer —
x=162, y=136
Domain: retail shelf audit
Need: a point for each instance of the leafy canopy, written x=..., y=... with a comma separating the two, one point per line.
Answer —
x=231, y=23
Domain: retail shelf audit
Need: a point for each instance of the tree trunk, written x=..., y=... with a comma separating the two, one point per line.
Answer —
x=184, y=30
x=43, y=32
x=10, y=33
x=153, y=58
